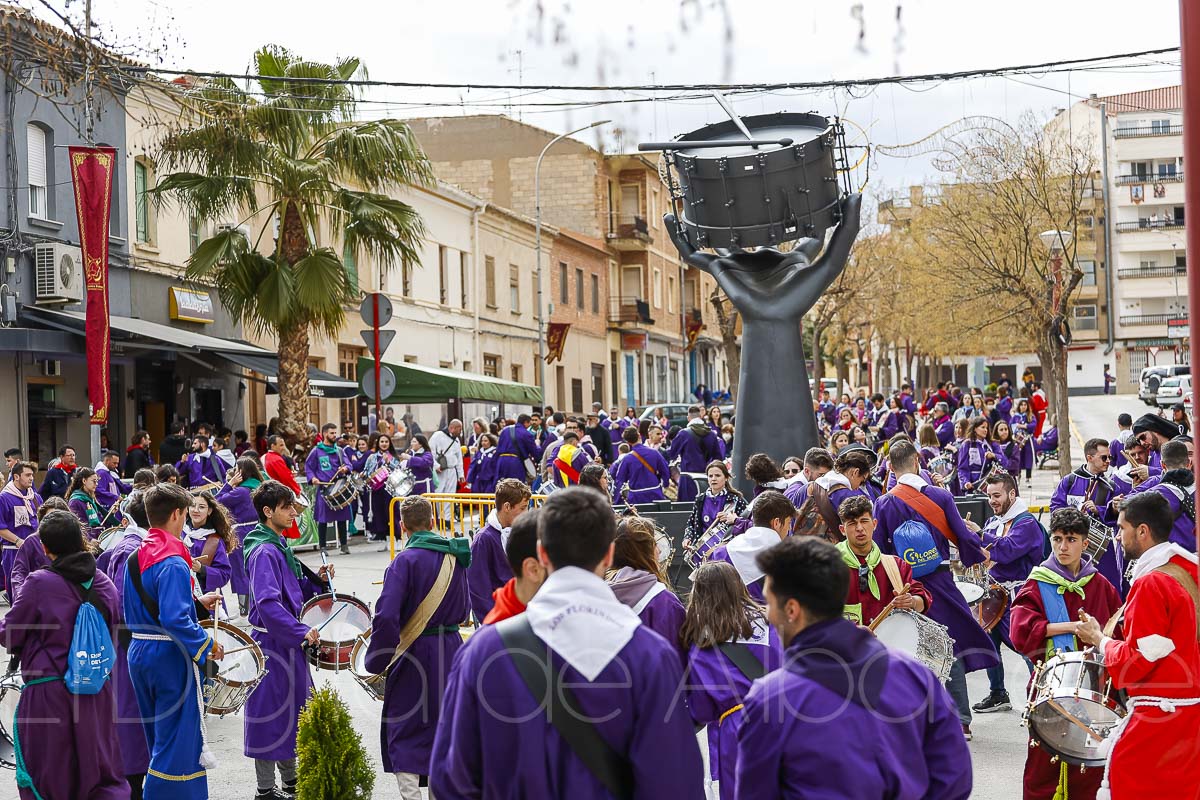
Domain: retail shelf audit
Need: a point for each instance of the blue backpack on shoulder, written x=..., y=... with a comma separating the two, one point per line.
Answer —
x=90, y=660
x=913, y=541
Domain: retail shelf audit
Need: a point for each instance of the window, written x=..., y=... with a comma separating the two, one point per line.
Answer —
x=631, y=202
x=598, y=383
x=1160, y=125
x=577, y=395
x=141, y=184
x=560, y=383
x=348, y=369
x=514, y=288
x=1140, y=168
x=195, y=233
x=515, y=371
x=579, y=289
x=1085, y=318
x=1089, y=273
x=657, y=288
x=1151, y=264
x=564, y=291
x=489, y=281
x=671, y=293
x=314, y=403
x=595, y=294
x=491, y=365
x=351, y=264
x=443, y=274
x=406, y=275
x=1166, y=170
x=35, y=138
x=462, y=280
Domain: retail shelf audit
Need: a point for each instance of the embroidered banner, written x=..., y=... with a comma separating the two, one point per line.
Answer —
x=556, y=339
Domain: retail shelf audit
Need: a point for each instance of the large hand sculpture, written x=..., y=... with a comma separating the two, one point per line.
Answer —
x=772, y=291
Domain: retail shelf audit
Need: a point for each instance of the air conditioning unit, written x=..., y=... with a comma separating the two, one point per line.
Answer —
x=52, y=368
x=59, y=271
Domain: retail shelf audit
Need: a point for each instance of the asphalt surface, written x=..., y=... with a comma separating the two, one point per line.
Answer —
x=998, y=748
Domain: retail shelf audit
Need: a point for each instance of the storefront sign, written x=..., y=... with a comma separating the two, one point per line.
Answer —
x=1177, y=328
x=190, y=305
x=633, y=341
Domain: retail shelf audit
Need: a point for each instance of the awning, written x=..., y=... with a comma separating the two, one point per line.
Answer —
x=320, y=382
x=161, y=335
x=44, y=410
x=420, y=384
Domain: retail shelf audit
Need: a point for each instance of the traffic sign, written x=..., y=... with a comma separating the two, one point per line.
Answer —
x=385, y=339
x=368, y=309
x=387, y=380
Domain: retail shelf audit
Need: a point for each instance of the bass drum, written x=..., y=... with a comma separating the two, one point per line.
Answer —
x=10, y=695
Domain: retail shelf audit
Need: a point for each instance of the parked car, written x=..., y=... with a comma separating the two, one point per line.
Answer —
x=676, y=412
x=1152, y=377
x=1187, y=402
x=1172, y=390
x=827, y=385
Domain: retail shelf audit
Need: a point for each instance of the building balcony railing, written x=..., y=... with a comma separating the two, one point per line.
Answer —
x=1153, y=130
x=628, y=231
x=1152, y=272
x=1138, y=177
x=1150, y=225
x=630, y=310
x=1150, y=319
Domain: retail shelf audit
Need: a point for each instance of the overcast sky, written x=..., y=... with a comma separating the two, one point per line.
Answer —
x=643, y=41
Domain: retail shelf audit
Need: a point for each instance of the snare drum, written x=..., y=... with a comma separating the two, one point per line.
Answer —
x=1071, y=709
x=340, y=620
x=343, y=491
x=400, y=482
x=1098, y=539
x=108, y=538
x=10, y=695
x=666, y=549
x=378, y=479
x=699, y=552
x=368, y=680
x=239, y=673
x=919, y=636
x=971, y=582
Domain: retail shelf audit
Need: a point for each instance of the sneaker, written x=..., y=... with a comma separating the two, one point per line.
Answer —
x=289, y=790
x=344, y=549
x=273, y=794
x=967, y=732
x=993, y=702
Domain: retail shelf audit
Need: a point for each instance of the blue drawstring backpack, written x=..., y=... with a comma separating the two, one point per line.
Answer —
x=90, y=660
x=913, y=542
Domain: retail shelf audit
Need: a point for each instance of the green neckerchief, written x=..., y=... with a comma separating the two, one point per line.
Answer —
x=329, y=448
x=93, y=507
x=873, y=559
x=261, y=534
x=1046, y=575
x=250, y=484
x=459, y=546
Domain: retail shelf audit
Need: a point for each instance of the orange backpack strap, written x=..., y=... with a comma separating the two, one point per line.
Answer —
x=926, y=508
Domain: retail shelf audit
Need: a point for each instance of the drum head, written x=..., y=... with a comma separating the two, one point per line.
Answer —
x=971, y=592
x=236, y=668
x=358, y=656
x=800, y=128
x=352, y=617
x=899, y=632
x=663, y=543
x=10, y=695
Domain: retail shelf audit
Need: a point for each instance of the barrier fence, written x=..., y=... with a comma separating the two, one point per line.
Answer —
x=454, y=515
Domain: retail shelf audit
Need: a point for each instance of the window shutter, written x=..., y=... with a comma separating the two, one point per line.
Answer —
x=36, y=138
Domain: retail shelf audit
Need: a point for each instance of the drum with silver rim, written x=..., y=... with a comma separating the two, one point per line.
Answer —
x=240, y=671
x=343, y=491
x=942, y=466
x=373, y=683
x=665, y=548
x=702, y=548
x=378, y=478
x=1098, y=539
x=108, y=538
x=400, y=482
x=919, y=636
x=1072, y=709
x=10, y=695
x=339, y=620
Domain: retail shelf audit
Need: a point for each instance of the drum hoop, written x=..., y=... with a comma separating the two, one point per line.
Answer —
x=780, y=224
x=340, y=598
x=260, y=660
x=826, y=125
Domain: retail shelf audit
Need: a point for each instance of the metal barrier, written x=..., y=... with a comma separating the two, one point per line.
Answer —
x=453, y=514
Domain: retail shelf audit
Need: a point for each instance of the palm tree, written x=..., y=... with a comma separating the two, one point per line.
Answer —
x=287, y=159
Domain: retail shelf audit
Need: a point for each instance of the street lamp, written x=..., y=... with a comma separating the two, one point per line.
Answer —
x=537, y=205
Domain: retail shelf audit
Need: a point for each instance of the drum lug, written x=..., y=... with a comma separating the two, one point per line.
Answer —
x=723, y=164
x=798, y=152
x=803, y=189
x=1053, y=759
x=1033, y=743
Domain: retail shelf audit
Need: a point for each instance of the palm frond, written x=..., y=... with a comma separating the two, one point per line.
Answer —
x=383, y=228
x=222, y=247
x=322, y=287
x=374, y=154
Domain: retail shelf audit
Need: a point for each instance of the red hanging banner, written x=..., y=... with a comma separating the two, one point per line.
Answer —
x=556, y=338
x=92, y=176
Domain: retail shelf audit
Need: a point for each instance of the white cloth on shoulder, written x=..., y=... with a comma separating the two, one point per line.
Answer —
x=744, y=549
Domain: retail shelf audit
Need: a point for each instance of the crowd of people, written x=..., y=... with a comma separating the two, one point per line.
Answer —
x=587, y=670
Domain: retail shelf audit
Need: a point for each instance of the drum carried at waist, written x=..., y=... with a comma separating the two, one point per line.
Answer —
x=700, y=550
x=372, y=682
x=241, y=670
x=339, y=620
x=921, y=637
x=343, y=491
x=1072, y=709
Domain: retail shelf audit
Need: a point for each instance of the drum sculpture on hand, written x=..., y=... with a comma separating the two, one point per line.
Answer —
x=777, y=184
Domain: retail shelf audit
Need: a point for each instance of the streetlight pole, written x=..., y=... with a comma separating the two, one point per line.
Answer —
x=537, y=205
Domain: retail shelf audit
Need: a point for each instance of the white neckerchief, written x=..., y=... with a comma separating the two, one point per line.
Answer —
x=1157, y=556
x=799, y=478
x=743, y=549
x=722, y=493
x=192, y=535
x=761, y=634
x=654, y=591
x=832, y=480
x=134, y=530
x=228, y=457
x=913, y=480
x=101, y=468
x=204, y=454
x=779, y=484
x=494, y=522
x=577, y=615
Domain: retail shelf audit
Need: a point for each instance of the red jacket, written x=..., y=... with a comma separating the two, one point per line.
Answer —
x=277, y=469
x=507, y=603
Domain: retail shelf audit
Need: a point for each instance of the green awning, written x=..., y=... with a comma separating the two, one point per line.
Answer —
x=419, y=384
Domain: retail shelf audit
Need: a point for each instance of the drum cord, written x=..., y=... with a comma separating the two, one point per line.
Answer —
x=207, y=759
x=1167, y=705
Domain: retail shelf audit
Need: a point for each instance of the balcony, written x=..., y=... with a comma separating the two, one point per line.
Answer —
x=1153, y=272
x=1140, y=177
x=1153, y=130
x=629, y=232
x=630, y=311
x=1150, y=319
x=1150, y=225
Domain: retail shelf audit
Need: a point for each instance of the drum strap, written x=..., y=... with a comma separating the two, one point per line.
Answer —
x=417, y=623
x=739, y=653
x=645, y=464
x=531, y=657
x=926, y=508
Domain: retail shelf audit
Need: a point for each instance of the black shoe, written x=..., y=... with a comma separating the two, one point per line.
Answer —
x=289, y=790
x=273, y=794
x=996, y=701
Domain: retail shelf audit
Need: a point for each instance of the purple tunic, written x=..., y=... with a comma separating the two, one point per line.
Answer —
x=715, y=685
x=191, y=470
x=695, y=447
x=421, y=465
x=944, y=431
x=645, y=484
x=66, y=739
x=110, y=488
x=1022, y=422
x=514, y=445
x=134, y=753
x=971, y=644
x=1016, y=552
x=482, y=474
x=19, y=518
x=494, y=740
x=1007, y=455
x=1077, y=487
x=215, y=575
x=1183, y=532
x=237, y=501
x=754, y=588
x=412, y=697
x=841, y=494
x=655, y=604
x=30, y=557
x=489, y=569
x=846, y=711
x=970, y=460
x=323, y=466
x=1004, y=409
x=273, y=708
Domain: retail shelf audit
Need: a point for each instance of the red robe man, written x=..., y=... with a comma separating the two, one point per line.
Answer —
x=1156, y=661
x=871, y=587
x=277, y=469
x=1038, y=404
x=1035, y=630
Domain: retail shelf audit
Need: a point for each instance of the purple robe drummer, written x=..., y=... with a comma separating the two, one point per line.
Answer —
x=236, y=497
x=642, y=474
x=838, y=688
x=719, y=502
x=77, y=756
x=515, y=447
x=279, y=586
x=695, y=446
x=495, y=739
x=489, y=568
x=324, y=464
x=414, y=638
x=915, y=500
x=18, y=515
x=773, y=515
x=1091, y=488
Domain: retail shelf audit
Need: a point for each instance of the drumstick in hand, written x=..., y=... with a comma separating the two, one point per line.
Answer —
x=889, y=608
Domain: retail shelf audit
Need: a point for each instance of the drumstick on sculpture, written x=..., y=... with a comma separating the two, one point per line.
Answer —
x=772, y=290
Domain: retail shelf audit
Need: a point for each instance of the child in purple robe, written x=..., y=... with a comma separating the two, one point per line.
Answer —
x=416, y=677
x=78, y=755
x=729, y=645
x=637, y=580
x=236, y=497
x=494, y=738
x=844, y=713
x=18, y=515
x=279, y=586
x=489, y=568
x=481, y=476
x=210, y=537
